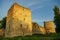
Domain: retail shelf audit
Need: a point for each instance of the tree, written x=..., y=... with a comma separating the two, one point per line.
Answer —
x=0, y=21
x=57, y=18
x=3, y=23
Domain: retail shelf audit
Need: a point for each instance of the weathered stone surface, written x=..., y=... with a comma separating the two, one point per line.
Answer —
x=49, y=26
x=42, y=30
x=1, y=32
x=37, y=29
x=18, y=21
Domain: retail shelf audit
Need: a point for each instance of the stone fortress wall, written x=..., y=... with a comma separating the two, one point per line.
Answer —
x=49, y=26
x=47, y=29
x=19, y=23
x=37, y=29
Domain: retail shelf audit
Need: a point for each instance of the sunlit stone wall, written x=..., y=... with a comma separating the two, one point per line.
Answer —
x=49, y=26
x=37, y=29
x=19, y=22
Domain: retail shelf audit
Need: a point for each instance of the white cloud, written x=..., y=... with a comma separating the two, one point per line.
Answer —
x=40, y=20
x=30, y=4
x=37, y=8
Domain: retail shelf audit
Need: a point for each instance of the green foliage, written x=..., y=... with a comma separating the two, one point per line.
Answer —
x=3, y=23
x=0, y=23
x=35, y=37
x=57, y=18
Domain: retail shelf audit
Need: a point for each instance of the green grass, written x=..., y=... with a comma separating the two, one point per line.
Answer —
x=35, y=37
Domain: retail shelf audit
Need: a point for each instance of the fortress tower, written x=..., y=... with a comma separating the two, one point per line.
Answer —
x=49, y=26
x=18, y=22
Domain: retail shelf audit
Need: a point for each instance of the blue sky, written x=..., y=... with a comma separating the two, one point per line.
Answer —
x=42, y=10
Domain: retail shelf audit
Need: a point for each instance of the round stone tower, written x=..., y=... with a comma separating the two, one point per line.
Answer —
x=49, y=26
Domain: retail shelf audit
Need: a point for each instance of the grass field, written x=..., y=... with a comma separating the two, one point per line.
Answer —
x=35, y=37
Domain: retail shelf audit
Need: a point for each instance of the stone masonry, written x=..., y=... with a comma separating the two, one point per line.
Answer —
x=18, y=22
x=37, y=29
x=49, y=26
